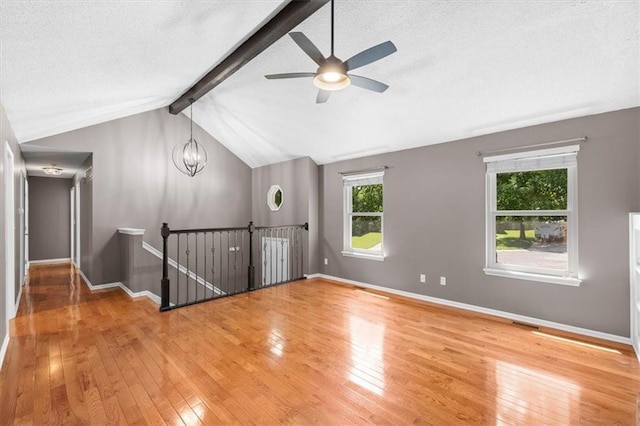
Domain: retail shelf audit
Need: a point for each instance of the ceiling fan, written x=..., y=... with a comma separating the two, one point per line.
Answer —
x=333, y=73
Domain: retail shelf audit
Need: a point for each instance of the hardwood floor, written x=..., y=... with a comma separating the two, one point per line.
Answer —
x=306, y=352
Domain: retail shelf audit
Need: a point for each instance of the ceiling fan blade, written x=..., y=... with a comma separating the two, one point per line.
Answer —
x=323, y=96
x=370, y=55
x=289, y=75
x=367, y=83
x=308, y=47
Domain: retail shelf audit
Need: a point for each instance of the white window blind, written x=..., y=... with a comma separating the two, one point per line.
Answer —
x=363, y=179
x=545, y=159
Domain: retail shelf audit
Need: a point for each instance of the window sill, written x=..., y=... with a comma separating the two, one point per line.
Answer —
x=574, y=282
x=378, y=257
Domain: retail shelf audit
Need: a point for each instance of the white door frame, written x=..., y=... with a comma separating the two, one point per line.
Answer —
x=77, y=217
x=73, y=223
x=23, y=220
x=634, y=263
x=9, y=232
x=26, y=223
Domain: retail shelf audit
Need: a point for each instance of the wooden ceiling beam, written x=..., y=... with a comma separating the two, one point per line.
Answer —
x=284, y=21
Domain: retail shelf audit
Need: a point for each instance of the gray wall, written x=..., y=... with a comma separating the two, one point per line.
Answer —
x=6, y=134
x=85, y=187
x=135, y=183
x=434, y=206
x=49, y=218
x=140, y=268
x=299, y=182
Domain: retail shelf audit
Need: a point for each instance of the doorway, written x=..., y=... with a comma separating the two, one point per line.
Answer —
x=76, y=225
x=24, y=227
x=9, y=232
x=73, y=223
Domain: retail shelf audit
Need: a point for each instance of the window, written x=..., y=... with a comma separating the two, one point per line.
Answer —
x=531, y=215
x=274, y=198
x=363, y=215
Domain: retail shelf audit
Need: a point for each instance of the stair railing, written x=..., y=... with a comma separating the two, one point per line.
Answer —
x=219, y=262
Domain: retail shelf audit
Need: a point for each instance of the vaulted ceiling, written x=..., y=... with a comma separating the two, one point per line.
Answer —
x=462, y=69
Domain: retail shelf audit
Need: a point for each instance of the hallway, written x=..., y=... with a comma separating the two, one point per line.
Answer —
x=306, y=352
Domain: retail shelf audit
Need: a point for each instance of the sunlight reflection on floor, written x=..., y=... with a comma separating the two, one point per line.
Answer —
x=524, y=394
x=367, y=347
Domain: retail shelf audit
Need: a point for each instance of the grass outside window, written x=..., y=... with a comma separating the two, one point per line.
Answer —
x=366, y=241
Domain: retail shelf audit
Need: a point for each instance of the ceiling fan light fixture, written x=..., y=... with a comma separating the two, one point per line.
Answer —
x=332, y=76
x=331, y=80
x=333, y=72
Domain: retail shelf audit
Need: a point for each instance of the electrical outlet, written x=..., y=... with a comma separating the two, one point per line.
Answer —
x=443, y=280
x=423, y=278
x=326, y=261
x=236, y=248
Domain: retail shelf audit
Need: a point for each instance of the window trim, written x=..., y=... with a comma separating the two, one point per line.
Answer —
x=348, y=182
x=568, y=277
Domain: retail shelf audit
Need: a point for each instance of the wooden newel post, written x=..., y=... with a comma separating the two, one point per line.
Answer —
x=164, y=284
x=252, y=268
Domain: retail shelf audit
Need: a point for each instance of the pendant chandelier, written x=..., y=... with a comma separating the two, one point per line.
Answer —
x=190, y=157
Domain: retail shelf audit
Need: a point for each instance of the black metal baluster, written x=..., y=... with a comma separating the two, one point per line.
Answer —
x=197, y=275
x=299, y=252
x=164, y=284
x=274, y=242
x=188, y=252
x=178, y=271
x=289, y=253
x=270, y=242
x=213, y=261
x=204, y=269
x=263, y=253
x=242, y=246
x=235, y=258
x=294, y=252
x=252, y=270
x=227, y=252
x=306, y=228
x=283, y=243
x=263, y=257
x=235, y=278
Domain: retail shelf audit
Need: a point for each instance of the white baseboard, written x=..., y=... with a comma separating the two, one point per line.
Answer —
x=43, y=261
x=3, y=349
x=480, y=309
x=155, y=299
x=18, y=302
x=145, y=293
x=309, y=276
x=5, y=342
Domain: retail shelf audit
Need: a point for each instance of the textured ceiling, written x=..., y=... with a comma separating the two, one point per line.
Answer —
x=70, y=64
x=462, y=69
